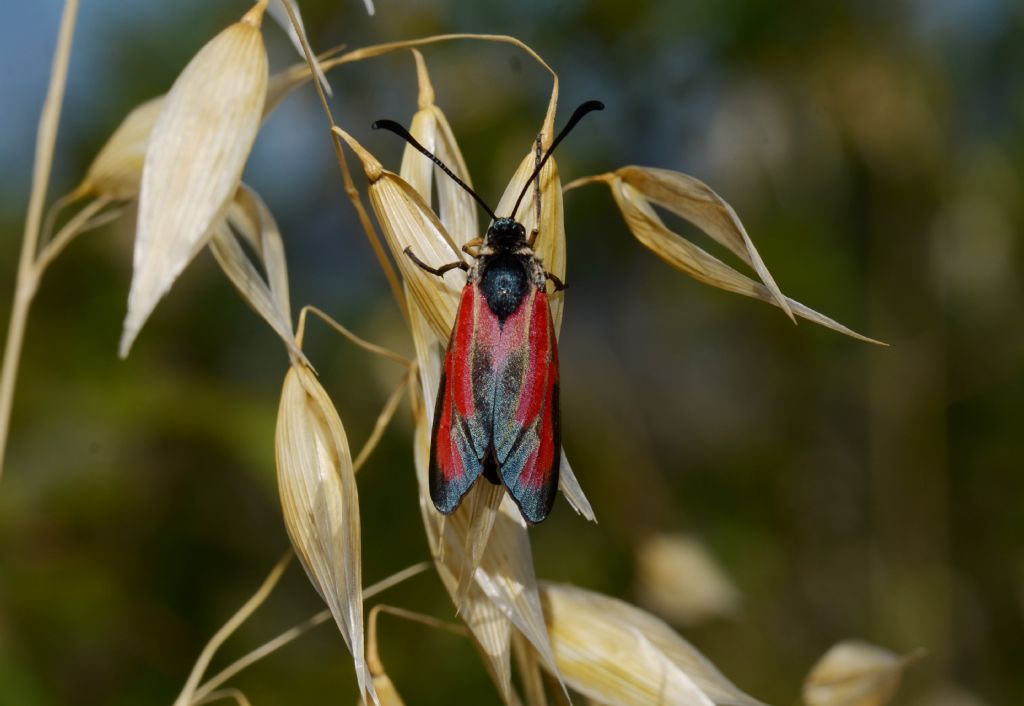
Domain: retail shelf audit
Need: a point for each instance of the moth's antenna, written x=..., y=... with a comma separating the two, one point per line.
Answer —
x=577, y=115
x=392, y=126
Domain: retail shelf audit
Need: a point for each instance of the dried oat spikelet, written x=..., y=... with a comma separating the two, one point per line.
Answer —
x=320, y=502
x=635, y=188
x=679, y=579
x=249, y=217
x=407, y=221
x=194, y=160
x=854, y=673
x=117, y=169
x=618, y=655
x=456, y=208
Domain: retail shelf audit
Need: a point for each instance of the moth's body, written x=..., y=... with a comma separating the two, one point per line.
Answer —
x=497, y=410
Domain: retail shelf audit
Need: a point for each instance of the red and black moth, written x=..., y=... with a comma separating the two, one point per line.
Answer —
x=497, y=411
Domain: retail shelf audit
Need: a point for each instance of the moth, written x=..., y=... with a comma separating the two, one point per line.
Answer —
x=497, y=413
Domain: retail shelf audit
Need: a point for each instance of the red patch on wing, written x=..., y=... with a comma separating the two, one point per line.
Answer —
x=531, y=427
x=458, y=360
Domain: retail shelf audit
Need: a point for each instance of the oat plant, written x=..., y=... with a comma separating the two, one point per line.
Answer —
x=180, y=157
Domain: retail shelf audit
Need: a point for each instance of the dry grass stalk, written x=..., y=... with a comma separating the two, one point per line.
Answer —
x=619, y=655
x=28, y=276
x=631, y=187
x=282, y=12
x=679, y=579
x=248, y=608
x=854, y=673
x=239, y=698
x=194, y=160
x=350, y=189
x=271, y=646
x=316, y=481
x=385, y=688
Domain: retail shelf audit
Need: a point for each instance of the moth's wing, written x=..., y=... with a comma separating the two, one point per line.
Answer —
x=461, y=435
x=527, y=434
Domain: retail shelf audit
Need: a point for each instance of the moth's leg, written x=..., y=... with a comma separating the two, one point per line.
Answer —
x=472, y=247
x=536, y=196
x=559, y=284
x=439, y=271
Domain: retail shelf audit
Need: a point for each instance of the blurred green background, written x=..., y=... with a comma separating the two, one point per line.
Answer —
x=875, y=153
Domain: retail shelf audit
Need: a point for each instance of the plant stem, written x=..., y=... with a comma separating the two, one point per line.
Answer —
x=28, y=276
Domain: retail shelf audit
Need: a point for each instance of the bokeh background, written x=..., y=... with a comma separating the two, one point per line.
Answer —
x=875, y=153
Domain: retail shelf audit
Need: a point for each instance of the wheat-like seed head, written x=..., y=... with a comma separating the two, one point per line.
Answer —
x=854, y=673
x=316, y=481
x=194, y=160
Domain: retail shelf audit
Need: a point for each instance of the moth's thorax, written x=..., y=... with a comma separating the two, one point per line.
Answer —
x=504, y=280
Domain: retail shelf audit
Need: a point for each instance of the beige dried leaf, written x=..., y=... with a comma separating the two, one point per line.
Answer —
x=572, y=491
x=690, y=259
x=194, y=161
x=267, y=295
x=320, y=501
x=855, y=673
x=695, y=201
x=456, y=208
x=679, y=579
x=617, y=654
x=408, y=222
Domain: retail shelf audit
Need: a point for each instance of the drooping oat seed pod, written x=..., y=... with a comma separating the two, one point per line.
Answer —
x=456, y=208
x=854, y=673
x=320, y=502
x=408, y=222
x=194, y=160
x=117, y=169
x=635, y=188
x=249, y=218
x=619, y=655
x=694, y=201
x=680, y=580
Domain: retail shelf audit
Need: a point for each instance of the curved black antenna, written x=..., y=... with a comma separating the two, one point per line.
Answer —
x=577, y=115
x=392, y=126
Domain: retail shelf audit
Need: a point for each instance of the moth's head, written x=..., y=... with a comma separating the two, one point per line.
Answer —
x=506, y=233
